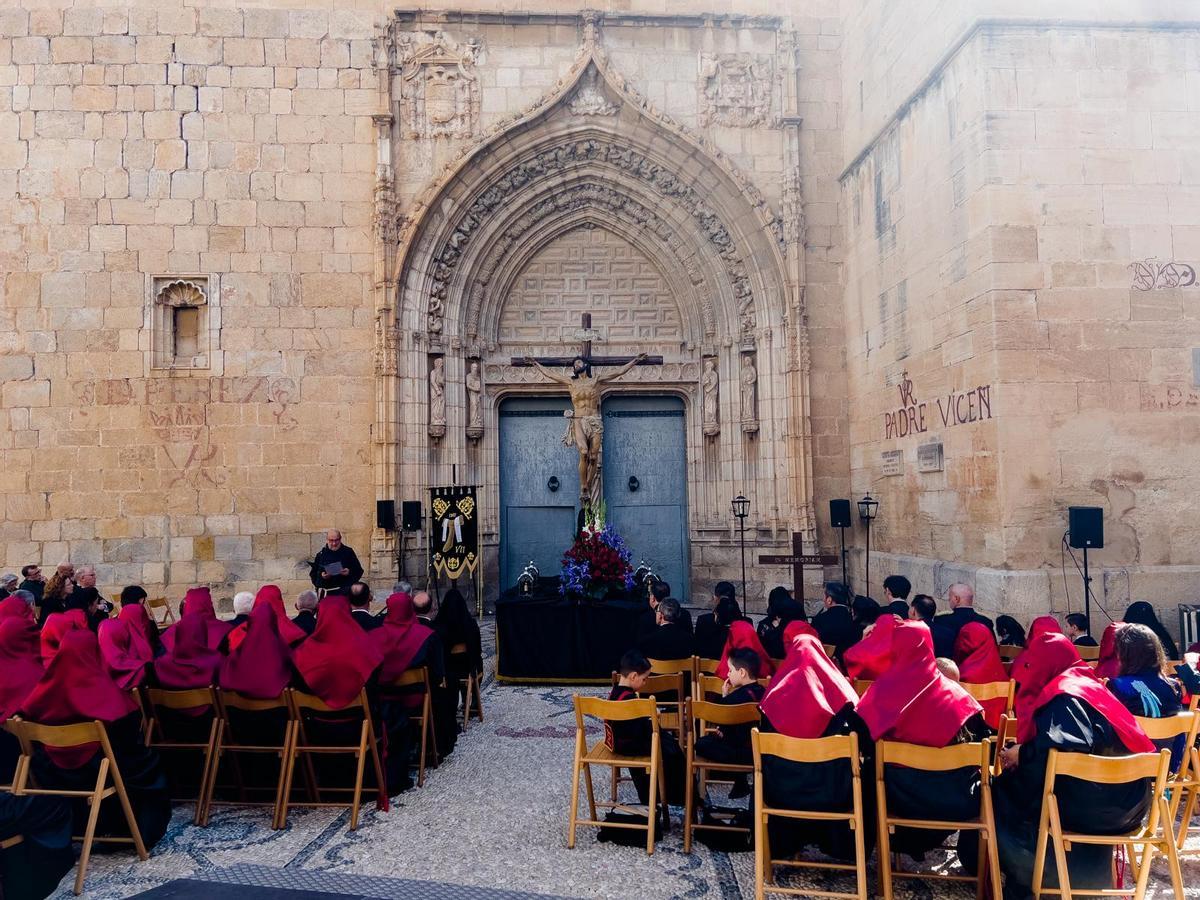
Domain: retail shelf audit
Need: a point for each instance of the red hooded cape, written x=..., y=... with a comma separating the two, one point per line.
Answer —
x=124, y=647
x=76, y=688
x=1039, y=626
x=912, y=701
x=55, y=628
x=871, y=657
x=807, y=691
x=338, y=658
x=743, y=636
x=1108, y=665
x=400, y=638
x=979, y=662
x=1051, y=666
x=261, y=665
x=15, y=607
x=20, y=662
x=271, y=595
x=189, y=663
x=198, y=601
x=794, y=628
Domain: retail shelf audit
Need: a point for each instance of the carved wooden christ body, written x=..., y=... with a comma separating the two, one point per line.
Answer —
x=585, y=430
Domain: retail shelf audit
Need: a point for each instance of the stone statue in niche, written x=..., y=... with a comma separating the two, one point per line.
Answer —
x=749, y=379
x=735, y=89
x=709, y=382
x=474, y=401
x=437, y=398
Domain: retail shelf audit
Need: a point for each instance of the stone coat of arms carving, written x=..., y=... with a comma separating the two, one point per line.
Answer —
x=439, y=88
x=735, y=89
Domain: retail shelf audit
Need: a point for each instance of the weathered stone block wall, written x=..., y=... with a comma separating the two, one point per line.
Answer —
x=158, y=139
x=1034, y=262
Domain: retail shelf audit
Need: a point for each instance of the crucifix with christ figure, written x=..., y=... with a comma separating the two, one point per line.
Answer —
x=585, y=431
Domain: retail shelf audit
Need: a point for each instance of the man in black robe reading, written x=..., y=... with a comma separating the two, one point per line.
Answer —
x=336, y=566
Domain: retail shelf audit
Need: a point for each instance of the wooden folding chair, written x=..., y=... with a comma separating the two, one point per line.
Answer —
x=1005, y=733
x=1155, y=835
x=713, y=714
x=1088, y=654
x=1008, y=652
x=1186, y=779
x=830, y=650
x=807, y=751
x=670, y=712
x=600, y=755
x=702, y=665
x=154, y=604
x=412, y=678
x=860, y=685
x=228, y=742
x=300, y=704
x=938, y=759
x=994, y=690
x=473, y=703
x=674, y=667
x=65, y=736
x=709, y=687
x=158, y=737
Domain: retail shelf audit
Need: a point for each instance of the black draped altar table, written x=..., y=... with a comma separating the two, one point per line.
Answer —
x=548, y=638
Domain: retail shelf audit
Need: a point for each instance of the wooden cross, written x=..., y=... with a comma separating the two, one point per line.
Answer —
x=585, y=335
x=798, y=560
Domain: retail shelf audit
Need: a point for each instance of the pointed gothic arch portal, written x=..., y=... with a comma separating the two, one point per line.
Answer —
x=689, y=265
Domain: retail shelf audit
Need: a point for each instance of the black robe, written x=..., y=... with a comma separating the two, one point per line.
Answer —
x=145, y=782
x=710, y=636
x=836, y=626
x=399, y=711
x=947, y=626
x=667, y=642
x=366, y=621
x=732, y=743
x=1068, y=725
x=632, y=738
x=34, y=587
x=344, y=555
x=307, y=620
x=32, y=869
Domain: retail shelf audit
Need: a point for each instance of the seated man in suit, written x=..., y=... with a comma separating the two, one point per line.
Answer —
x=835, y=624
x=360, y=606
x=947, y=626
x=670, y=639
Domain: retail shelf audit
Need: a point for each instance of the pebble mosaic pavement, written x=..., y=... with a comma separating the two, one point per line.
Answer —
x=490, y=824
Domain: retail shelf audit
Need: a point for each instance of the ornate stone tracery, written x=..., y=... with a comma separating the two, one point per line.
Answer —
x=181, y=293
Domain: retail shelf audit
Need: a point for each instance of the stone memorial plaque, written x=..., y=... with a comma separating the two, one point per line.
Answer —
x=891, y=462
x=930, y=457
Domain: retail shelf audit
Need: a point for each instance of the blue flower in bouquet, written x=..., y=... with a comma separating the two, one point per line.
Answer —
x=575, y=576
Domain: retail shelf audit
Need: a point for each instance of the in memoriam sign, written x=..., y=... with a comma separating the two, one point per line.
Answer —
x=918, y=416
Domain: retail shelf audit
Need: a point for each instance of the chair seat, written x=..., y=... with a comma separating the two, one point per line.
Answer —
x=601, y=753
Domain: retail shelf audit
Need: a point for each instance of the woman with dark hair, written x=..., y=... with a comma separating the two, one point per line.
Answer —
x=712, y=629
x=76, y=688
x=1142, y=613
x=1061, y=705
x=865, y=610
x=54, y=597
x=456, y=626
x=1009, y=632
x=781, y=609
x=1143, y=685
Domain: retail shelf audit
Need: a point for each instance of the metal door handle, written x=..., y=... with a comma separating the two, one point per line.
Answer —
x=553, y=484
x=634, y=484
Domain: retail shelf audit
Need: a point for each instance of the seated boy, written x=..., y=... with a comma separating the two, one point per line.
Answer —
x=731, y=743
x=632, y=737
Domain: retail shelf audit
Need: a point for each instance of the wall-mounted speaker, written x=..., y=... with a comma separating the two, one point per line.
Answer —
x=839, y=513
x=410, y=515
x=385, y=514
x=1086, y=524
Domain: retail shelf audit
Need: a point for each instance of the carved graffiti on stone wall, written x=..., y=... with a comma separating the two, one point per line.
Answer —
x=735, y=89
x=956, y=408
x=1151, y=275
x=439, y=89
x=549, y=164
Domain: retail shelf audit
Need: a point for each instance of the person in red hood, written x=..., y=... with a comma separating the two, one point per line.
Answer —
x=978, y=659
x=1062, y=705
x=77, y=688
x=914, y=703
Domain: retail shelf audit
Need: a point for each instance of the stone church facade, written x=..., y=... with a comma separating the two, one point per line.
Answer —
x=267, y=266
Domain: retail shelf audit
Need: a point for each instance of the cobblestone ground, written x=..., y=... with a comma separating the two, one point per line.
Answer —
x=493, y=816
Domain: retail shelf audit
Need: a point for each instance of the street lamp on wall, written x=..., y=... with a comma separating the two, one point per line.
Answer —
x=868, y=509
x=741, y=509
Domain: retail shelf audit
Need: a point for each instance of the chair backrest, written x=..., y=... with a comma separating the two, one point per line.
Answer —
x=934, y=759
x=1108, y=769
x=303, y=700
x=1088, y=653
x=409, y=678
x=233, y=700
x=723, y=713
x=993, y=690
x=830, y=649
x=187, y=699
x=657, y=685
x=58, y=736
x=671, y=666
x=1170, y=727
x=802, y=750
x=156, y=603
x=1009, y=652
x=702, y=665
x=861, y=684
x=615, y=710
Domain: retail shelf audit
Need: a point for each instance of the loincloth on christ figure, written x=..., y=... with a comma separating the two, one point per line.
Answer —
x=591, y=425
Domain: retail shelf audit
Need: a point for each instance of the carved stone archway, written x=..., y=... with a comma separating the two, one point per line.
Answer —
x=594, y=152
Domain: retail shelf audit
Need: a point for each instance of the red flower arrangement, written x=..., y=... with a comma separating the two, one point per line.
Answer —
x=596, y=564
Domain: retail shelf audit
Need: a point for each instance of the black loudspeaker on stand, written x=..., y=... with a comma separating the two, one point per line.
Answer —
x=410, y=515
x=385, y=514
x=839, y=517
x=1085, y=530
